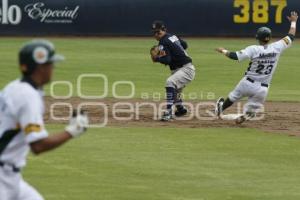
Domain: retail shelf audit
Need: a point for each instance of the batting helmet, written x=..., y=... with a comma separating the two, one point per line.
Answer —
x=264, y=34
x=37, y=52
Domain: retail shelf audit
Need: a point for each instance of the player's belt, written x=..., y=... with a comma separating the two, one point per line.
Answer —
x=13, y=168
x=253, y=81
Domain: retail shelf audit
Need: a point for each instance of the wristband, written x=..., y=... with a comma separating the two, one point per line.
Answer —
x=224, y=51
x=293, y=25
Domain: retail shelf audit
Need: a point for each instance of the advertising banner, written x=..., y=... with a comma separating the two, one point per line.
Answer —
x=134, y=17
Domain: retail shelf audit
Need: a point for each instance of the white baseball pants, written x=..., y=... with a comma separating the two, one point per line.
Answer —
x=255, y=92
x=13, y=187
x=181, y=77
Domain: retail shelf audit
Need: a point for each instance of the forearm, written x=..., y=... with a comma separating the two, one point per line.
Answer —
x=293, y=19
x=164, y=60
x=229, y=54
x=50, y=142
x=293, y=29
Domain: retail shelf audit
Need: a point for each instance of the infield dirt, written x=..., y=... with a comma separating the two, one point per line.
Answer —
x=279, y=117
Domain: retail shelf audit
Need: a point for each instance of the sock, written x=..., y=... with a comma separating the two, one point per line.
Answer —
x=227, y=104
x=178, y=100
x=170, y=97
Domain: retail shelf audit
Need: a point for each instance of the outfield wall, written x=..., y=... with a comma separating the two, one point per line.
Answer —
x=134, y=17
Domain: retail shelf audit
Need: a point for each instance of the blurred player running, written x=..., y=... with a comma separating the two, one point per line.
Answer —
x=21, y=120
x=263, y=62
x=172, y=51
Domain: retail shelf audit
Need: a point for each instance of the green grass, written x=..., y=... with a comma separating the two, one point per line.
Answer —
x=162, y=163
x=128, y=59
x=167, y=164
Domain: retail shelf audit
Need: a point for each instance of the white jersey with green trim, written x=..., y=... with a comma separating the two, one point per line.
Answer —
x=263, y=59
x=21, y=121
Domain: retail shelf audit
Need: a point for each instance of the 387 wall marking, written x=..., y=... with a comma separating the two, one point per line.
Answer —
x=258, y=11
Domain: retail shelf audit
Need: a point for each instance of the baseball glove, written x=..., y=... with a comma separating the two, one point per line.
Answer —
x=156, y=52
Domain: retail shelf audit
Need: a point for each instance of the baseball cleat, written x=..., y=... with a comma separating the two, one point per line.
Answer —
x=246, y=117
x=219, y=105
x=181, y=111
x=167, y=116
x=241, y=119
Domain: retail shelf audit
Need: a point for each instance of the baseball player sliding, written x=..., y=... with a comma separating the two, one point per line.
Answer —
x=263, y=62
x=21, y=120
x=172, y=51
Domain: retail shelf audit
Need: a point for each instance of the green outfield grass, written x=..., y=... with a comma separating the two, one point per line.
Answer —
x=117, y=163
x=170, y=164
x=128, y=59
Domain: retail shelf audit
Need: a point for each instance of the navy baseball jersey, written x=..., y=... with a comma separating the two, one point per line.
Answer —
x=175, y=48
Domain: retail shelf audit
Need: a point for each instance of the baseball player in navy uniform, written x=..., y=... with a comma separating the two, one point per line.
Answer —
x=171, y=51
x=263, y=58
x=21, y=120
